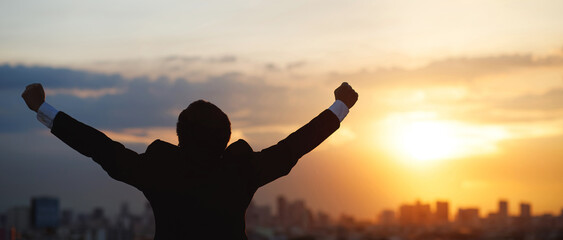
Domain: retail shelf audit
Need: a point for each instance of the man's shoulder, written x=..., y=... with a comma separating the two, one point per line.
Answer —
x=161, y=147
x=238, y=149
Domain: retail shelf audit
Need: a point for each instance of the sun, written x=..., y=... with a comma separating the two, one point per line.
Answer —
x=425, y=141
x=421, y=138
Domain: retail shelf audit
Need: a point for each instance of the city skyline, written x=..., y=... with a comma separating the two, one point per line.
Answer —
x=44, y=218
x=439, y=210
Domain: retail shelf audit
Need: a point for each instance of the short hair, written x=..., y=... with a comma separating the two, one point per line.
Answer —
x=203, y=126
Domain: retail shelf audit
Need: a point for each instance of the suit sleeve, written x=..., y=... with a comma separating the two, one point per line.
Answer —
x=119, y=162
x=278, y=160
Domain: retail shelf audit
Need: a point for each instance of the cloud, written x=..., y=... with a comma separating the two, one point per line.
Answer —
x=83, y=93
x=115, y=103
x=143, y=135
x=188, y=59
x=196, y=68
x=295, y=65
x=15, y=76
x=193, y=68
x=193, y=59
x=482, y=90
x=549, y=101
x=452, y=71
x=525, y=108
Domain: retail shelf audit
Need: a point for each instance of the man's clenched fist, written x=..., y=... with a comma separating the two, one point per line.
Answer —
x=346, y=94
x=34, y=96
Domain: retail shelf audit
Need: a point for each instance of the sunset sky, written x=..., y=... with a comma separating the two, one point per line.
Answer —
x=459, y=100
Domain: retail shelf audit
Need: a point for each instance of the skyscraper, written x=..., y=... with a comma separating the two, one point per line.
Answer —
x=283, y=211
x=468, y=217
x=525, y=210
x=418, y=214
x=45, y=212
x=502, y=216
x=503, y=209
x=442, y=212
x=406, y=214
x=387, y=218
x=298, y=216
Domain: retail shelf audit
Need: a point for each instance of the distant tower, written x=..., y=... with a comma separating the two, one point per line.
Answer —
x=406, y=215
x=503, y=209
x=283, y=211
x=323, y=220
x=468, y=217
x=442, y=212
x=45, y=212
x=525, y=210
x=422, y=213
x=67, y=217
x=124, y=210
x=387, y=218
x=298, y=216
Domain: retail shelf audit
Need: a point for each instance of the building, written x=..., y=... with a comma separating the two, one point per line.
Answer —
x=406, y=215
x=468, y=217
x=525, y=210
x=323, y=220
x=503, y=209
x=442, y=212
x=418, y=214
x=258, y=215
x=17, y=221
x=387, y=218
x=502, y=215
x=45, y=212
x=298, y=215
x=283, y=211
x=423, y=215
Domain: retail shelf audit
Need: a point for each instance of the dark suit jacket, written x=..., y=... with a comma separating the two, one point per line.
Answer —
x=193, y=197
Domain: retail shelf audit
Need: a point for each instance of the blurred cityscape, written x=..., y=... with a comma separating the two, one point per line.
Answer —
x=291, y=220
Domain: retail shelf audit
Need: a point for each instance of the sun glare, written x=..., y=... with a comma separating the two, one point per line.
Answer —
x=418, y=137
x=427, y=141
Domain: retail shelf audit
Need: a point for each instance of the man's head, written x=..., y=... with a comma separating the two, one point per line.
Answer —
x=204, y=127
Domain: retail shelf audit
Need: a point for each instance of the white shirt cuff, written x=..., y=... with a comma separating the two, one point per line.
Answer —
x=46, y=114
x=339, y=109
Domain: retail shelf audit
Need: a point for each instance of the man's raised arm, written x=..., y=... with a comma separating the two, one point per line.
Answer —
x=276, y=161
x=118, y=161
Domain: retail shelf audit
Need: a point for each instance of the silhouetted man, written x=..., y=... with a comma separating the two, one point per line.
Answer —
x=201, y=188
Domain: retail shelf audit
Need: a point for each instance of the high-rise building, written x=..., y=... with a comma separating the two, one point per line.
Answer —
x=124, y=209
x=503, y=209
x=442, y=212
x=283, y=211
x=18, y=219
x=298, y=216
x=418, y=214
x=503, y=219
x=468, y=217
x=387, y=218
x=323, y=220
x=264, y=215
x=258, y=215
x=525, y=210
x=67, y=217
x=406, y=214
x=45, y=212
x=423, y=215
